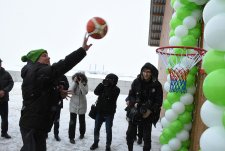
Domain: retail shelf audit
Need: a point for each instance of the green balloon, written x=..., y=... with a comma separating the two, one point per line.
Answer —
x=176, y=126
x=213, y=60
x=173, y=60
x=171, y=34
x=186, y=143
x=183, y=149
x=166, y=104
x=185, y=2
x=183, y=12
x=214, y=86
x=190, y=80
x=173, y=97
x=223, y=119
x=188, y=40
x=168, y=134
x=185, y=117
x=193, y=70
x=179, y=51
x=196, y=32
x=163, y=140
x=174, y=22
x=172, y=2
x=189, y=107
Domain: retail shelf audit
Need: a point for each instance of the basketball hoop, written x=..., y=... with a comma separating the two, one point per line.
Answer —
x=179, y=60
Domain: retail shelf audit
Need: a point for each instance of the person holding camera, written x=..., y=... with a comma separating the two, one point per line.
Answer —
x=78, y=105
x=144, y=104
x=107, y=93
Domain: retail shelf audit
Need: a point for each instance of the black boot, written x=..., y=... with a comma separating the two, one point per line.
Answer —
x=94, y=146
x=139, y=141
x=57, y=138
x=130, y=147
x=6, y=135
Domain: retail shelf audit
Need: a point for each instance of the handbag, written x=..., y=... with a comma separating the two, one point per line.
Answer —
x=92, y=113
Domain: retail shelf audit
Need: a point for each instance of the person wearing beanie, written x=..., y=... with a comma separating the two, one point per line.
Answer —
x=40, y=94
x=6, y=85
x=107, y=93
x=144, y=103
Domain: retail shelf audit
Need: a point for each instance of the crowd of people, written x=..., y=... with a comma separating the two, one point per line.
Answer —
x=45, y=86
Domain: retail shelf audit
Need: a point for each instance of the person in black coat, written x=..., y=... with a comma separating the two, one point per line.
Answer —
x=40, y=94
x=6, y=85
x=107, y=93
x=144, y=105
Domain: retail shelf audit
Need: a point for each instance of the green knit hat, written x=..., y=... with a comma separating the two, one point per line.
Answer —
x=33, y=55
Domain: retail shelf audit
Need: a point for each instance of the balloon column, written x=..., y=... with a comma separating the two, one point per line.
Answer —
x=213, y=110
x=185, y=30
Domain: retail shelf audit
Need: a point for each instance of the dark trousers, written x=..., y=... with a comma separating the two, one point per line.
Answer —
x=140, y=131
x=108, y=119
x=56, y=122
x=4, y=110
x=132, y=131
x=72, y=125
x=33, y=140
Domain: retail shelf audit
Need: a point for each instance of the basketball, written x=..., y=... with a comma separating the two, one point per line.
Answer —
x=97, y=28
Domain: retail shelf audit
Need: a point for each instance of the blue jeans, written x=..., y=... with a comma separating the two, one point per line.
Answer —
x=108, y=119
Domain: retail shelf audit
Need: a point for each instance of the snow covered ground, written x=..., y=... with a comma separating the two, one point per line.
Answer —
x=119, y=128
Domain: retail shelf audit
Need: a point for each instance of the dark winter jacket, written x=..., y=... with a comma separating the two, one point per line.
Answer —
x=148, y=93
x=40, y=94
x=107, y=96
x=6, y=84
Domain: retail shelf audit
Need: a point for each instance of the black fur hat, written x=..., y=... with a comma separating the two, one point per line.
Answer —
x=112, y=77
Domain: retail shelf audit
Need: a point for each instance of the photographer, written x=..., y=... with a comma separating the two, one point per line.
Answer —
x=78, y=105
x=107, y=93
x=144, y=102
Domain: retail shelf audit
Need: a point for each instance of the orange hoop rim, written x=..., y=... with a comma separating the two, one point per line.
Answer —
x=161, y=51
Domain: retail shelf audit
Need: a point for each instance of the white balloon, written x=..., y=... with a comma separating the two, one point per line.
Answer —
x=174, y=41
x=177, y=5
x=188, y=126
x=183, y=135
x=211, y=114
x=174, y=144
x=200, y=2
x=174, y=15
x=213, y=139
x=178, y=107
x=197, y=14
x=191, y=90
x=166, y=147
x=164, y=122
x=170, y=115
x=167, y=86
x=168, y=77
x=214, y=32
x=190, y=22
x=213, y=8
x=187, y=99
x=181, y=31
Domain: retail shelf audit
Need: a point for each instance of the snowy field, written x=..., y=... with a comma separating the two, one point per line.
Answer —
x=119, y=128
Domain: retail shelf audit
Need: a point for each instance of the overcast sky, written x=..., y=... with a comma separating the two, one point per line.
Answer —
x=59, y=27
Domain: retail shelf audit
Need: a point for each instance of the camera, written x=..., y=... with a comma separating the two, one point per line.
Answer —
x=78, y=78
x=107, y=82
x=143, y=108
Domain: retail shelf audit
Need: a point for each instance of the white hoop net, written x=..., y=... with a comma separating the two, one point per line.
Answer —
x=179, y=61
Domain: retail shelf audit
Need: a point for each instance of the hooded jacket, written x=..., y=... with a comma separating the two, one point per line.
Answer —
x=147, y=92
x=107, y=95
